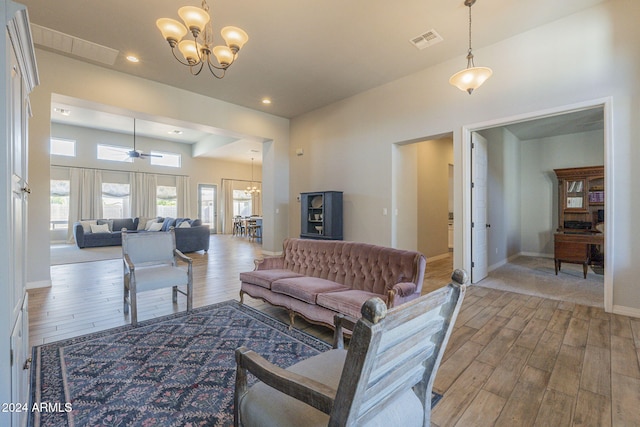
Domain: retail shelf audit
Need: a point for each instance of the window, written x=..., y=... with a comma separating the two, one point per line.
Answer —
x=114, y=153
x=165, y=159
x=115, y=200
x=241, y=203
x=59, y=202
x=166, y=201
x=62, y=147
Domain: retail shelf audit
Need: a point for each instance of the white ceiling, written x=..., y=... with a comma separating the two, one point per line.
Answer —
x=302, y=54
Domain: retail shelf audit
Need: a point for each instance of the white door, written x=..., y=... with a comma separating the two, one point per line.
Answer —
x=18, y=238
x=479, y=225
x=208, y=206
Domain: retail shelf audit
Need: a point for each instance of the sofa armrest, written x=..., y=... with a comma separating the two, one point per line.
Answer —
x=401, y=290
x=78, y=234
x=269, y=263
x=404, y=289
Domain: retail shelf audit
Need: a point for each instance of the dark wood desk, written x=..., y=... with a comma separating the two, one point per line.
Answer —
x=575, y=247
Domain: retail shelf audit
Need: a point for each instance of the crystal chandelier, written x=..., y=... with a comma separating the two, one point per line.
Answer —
x=252, y=189
x=471, y=77
x=197, y=52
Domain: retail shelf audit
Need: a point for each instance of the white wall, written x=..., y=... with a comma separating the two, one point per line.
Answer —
x=586, y=56
x=539, y=186
x=64, y=77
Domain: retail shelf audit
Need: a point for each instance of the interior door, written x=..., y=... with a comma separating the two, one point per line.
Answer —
x=479, y=256
x=207, y=205
x=19, y=341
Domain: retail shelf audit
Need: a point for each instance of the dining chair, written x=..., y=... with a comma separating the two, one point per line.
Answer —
x=150, y=261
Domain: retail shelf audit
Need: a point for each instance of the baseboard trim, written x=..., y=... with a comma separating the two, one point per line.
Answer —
x=536, y=254
x=271, y=253
x=626, y=311
x=437, y=257
x=39, y=284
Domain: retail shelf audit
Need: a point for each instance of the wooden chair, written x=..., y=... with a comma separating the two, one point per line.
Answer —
x=150, y=261
x=384, y=379
x=237, y=226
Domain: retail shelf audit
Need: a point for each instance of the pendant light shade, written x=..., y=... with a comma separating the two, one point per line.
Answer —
x=471, y=77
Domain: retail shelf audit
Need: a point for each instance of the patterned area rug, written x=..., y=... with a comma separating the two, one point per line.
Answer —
x=172, y=371
x=177, y=370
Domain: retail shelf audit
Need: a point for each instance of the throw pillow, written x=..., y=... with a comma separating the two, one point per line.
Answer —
x=86, y=224
x=142, y=223
x=184, y=224
x=109, y=223
x=149, y=223
x=155, y=226
x=100, y=228
x=168, y=223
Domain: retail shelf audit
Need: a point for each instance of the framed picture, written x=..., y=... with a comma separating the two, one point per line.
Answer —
x=574, y=202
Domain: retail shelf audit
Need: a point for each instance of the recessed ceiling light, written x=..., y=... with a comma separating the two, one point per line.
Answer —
x=175, y=132
x=62, y=111
x=266, y=101
x=133, y=59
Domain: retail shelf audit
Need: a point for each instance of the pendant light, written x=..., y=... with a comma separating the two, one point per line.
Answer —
x=471, y=77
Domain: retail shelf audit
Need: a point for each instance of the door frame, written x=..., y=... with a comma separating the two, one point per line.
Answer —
x=463, y=221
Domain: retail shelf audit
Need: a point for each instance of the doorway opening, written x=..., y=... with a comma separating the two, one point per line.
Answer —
x=512, y=246
x=422, y=202
x=208, y=206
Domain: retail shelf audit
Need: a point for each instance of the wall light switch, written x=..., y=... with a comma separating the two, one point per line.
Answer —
x=384, y=211
x=277, y=210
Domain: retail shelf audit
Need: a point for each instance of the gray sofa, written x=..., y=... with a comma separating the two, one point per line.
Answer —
x=318, y=279
x=194, y=238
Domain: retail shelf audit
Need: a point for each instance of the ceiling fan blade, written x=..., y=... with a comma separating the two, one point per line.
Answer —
x=150, y=155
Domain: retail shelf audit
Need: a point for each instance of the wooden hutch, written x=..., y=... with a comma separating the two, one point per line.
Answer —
x=580, y=217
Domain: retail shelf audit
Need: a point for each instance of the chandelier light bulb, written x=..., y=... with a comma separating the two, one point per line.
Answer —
x=224, y=55
x=194, y=18
x=190, y=50
x=234, y=37
x=172, y=30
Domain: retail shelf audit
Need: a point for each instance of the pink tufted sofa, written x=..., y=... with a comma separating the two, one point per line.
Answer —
x=317, y=279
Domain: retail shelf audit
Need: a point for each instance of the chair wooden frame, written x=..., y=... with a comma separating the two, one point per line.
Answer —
x=390, y=352
x=131, y=288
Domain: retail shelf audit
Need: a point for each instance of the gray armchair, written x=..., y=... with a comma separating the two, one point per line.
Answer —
x=150, y=261
x=384, y=379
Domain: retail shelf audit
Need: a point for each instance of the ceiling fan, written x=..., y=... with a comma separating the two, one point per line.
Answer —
x=137, y=154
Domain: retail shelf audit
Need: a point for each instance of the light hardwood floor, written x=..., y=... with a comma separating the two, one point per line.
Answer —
x=513, y=360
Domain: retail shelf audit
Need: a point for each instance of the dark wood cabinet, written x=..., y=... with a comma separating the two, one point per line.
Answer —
x=321, y=215
x=579, y=237
x=581, y=198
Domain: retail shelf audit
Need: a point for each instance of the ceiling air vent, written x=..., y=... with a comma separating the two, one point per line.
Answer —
x=71, y=45
x=426, y=39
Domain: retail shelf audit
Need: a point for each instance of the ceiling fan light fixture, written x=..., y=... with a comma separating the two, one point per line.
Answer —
x=471, y=77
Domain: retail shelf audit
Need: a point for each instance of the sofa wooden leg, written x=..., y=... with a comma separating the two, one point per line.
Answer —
x=292, y=317
x=241, y=297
